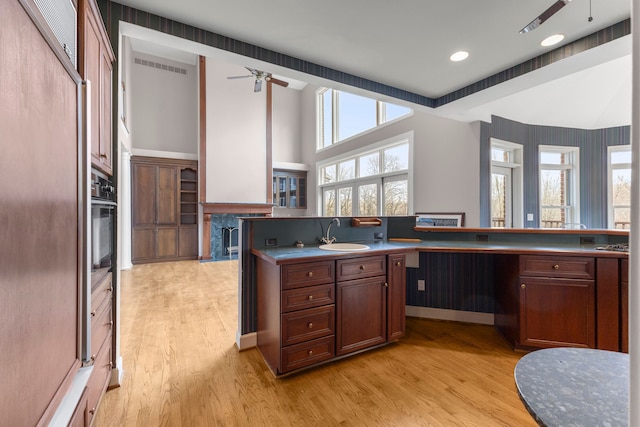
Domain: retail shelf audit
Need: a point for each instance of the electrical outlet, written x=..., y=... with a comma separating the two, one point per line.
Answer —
x=529, y=217
x=421, y=285
x=271, y=242
x=378, y=236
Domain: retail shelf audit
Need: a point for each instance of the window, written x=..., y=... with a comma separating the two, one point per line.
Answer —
x=342, y=115
x=372, y=182
x=619, y=187
x=559, y=187
x=506, y=184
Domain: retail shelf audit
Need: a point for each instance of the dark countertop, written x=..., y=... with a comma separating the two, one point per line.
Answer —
x=290, y=254
x=575, y=386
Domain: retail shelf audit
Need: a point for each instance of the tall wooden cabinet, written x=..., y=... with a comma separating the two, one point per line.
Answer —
x=164, y=209
x=95, y=59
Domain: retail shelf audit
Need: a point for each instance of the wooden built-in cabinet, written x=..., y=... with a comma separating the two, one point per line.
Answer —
x=561, y=301
x=290, y=189
x=313, y=312
x=95, y=59
x=164, y=209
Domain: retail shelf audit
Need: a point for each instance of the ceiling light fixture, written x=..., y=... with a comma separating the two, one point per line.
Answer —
x=551, y=40
x=459, y=56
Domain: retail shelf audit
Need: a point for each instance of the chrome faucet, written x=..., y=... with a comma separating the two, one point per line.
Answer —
x=329, y=240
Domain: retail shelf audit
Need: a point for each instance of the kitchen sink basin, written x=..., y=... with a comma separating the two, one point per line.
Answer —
x=344, y=247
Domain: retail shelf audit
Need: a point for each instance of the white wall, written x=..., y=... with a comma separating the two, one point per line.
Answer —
x=446, y=159
x=286, y=125
x=236, y=136
x=164, y=107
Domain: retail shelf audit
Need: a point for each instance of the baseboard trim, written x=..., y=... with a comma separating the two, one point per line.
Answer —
x=116, y=374
x=246, y=341
x=453, y=315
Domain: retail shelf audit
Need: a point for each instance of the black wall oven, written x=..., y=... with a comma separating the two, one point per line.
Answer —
x=102, y=223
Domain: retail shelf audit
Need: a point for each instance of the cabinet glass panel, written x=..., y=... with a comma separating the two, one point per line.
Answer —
x=282, y=191
x=293, y=187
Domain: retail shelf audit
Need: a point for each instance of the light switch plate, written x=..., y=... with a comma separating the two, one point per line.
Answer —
x=421, y=285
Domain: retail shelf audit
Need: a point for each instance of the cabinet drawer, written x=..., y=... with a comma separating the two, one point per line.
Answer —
x=550, y=266
x=100, y=376
x=358, y=268
x=100, y=326
x=307, y=274
x=100, y=293
x=307, y=353
x=309, y=297
x=308, y=324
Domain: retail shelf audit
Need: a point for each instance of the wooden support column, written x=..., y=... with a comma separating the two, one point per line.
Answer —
x=206, y=237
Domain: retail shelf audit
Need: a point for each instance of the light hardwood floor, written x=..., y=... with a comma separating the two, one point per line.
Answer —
x=181, y=367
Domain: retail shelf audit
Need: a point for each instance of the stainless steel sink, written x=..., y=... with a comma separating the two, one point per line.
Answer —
x=344, y=247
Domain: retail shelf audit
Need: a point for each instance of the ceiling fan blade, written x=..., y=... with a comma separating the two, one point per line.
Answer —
x=277, y=81
x=239, y=77
x=559, y=4
x=258, y=86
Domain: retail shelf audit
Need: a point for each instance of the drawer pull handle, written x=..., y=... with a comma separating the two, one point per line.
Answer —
x=523, y=286
x=93, y=357
x=556, y=266
x=93, y=313
x=109, y=324
x=92, y=411
x=310, y=325
x=310, y=297
x=109, y=289
x=386, y=285
x=398, y=263
x=362, y=267
x=310, y=274
x=310, y=352
x=108, y=365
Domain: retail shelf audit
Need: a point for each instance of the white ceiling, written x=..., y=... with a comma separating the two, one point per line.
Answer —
x=406, y=44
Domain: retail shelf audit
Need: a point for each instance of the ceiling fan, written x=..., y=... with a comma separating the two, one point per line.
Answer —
x=559, y=4
x=260, y=76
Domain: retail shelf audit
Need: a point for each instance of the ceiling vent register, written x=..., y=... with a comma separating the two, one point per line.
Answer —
x=160, y=66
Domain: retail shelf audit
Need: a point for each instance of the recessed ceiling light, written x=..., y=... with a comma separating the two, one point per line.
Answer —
x=459, y=56
x=551, y=40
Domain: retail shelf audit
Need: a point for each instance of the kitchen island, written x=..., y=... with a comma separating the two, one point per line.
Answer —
x=564, y=276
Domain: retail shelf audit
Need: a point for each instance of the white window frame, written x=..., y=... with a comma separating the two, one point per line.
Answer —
x=572, y=208
x=610, y=168
x=515, y=200
x=380, y=118
x=379, y=179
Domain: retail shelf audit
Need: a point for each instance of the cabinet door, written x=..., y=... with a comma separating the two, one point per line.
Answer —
x=167, y=195
x=624, y=305
x=362, y=314
x=143, y=195
x=106, y=146
x=396, y=297
x=90, y=70
x=167, y=242
x=557, y=312
x=143, y=243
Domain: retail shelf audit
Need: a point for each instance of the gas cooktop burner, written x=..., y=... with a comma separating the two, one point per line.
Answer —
x=618, y=247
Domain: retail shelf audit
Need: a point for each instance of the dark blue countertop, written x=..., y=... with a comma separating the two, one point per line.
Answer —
x=575, y=386
x=288, y=254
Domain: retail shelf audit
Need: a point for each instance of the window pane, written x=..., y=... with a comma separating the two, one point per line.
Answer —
x=551, y=158
x=355, y=114
x=499, y=155
x=328, y=174
x=553, y=187
x=396, y=198
x=369, y=164
x=329, y=203
x=622, y=218
x=345, y=201
x=621, y=187
x=293, y=199
x=552, y=217
x=396, y=158
x=368, y=199
x=498, y=199
x=618, y=157
x=327, y=118
x=347, y=170
x=393, y=111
